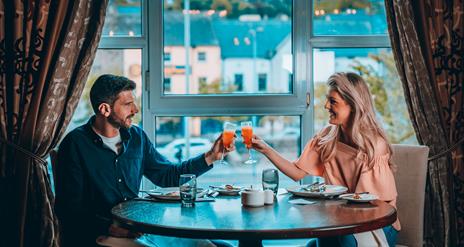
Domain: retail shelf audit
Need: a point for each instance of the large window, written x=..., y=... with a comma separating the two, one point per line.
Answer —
x=200, y=63
x=121, y=52
x=352, y=36
x=228, y=38
x=377, y=67
x=123, y=18
x=340, y=17
x=178, y=138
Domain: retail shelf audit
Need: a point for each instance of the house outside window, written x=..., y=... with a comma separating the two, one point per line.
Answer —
x=201, y=56
x=167, y=84
x=238, y=82
x=167, y=57
x=262, y=82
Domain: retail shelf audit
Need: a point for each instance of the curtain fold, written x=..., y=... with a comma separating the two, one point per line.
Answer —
x=47, y=49
x=428, y=45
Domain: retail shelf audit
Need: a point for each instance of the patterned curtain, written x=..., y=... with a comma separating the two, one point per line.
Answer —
x=47, y=49
x=428, y=44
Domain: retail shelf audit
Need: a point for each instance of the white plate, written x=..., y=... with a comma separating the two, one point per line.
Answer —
x=228, y=192
x=330, y=190
x=168, y=193
x=364, y=197
x=225, y=192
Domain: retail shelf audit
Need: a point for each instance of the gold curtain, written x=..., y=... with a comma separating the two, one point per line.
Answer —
x=47, y=49
x=428, y=44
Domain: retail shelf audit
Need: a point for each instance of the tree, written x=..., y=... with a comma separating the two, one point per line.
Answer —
x=388, y=96
x=219, y=5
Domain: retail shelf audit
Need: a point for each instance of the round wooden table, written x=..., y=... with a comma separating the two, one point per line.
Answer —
x=226, y=218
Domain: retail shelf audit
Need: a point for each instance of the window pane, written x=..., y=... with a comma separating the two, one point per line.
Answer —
x=352, y=17
x=282, y=132
x=377, y=67
x=123, y=18
x=124, y=62
x=225, y=39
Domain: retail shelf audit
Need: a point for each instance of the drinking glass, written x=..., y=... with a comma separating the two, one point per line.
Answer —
x=247, y=134
x=188, y=190
x=228, y=135
x=271, y=180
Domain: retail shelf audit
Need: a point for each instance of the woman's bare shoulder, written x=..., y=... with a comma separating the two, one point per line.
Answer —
x=381, y=146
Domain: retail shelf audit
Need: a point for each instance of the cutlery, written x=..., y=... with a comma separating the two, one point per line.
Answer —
x=216, y=187
x=223, y=187
x=211, y=193
x=150, y=192
x=203, y=199
x=311, y=186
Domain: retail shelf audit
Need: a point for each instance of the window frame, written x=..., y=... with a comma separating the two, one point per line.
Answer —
x=293, y=103
x=297, y=103
x=135, y=42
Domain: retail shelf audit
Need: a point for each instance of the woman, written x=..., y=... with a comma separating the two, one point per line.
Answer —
x=351, y=151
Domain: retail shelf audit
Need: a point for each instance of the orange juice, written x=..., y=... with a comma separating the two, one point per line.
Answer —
x=228, y=137
x=247, y=134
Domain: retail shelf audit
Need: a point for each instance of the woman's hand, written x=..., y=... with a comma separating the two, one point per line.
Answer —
x=259, y=144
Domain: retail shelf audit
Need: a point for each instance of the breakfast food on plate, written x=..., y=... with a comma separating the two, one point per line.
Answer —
x=317, y=188
x=173, y=193
x=230, y=187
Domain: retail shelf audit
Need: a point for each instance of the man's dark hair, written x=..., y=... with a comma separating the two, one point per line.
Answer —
x=106, y=89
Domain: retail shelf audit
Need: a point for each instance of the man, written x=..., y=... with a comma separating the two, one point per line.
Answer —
x=101, y=164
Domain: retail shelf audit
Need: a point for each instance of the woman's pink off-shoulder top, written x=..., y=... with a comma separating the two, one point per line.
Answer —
x=354, y=173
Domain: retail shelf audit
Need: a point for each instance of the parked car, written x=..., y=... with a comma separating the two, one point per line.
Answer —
x=175, y=151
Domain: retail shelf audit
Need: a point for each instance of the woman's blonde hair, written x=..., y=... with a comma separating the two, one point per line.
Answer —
x=365, y=128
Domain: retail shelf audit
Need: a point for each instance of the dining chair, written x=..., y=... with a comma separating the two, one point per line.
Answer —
x=102, y=240
x=410, y=178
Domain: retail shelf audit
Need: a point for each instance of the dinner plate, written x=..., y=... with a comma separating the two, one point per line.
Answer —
x=234, y=191
x=228, y=192
x=168, y=193
x=330, y=190
x=363, y=197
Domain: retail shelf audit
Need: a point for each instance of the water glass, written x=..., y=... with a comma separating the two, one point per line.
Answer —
x=188, y=190
x=271, y=180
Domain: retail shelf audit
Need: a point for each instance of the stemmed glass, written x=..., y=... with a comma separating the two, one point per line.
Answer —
x=228, y=135
x=247, y=134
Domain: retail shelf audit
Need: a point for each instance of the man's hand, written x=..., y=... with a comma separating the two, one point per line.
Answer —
x=119, y=232
x=215, y=153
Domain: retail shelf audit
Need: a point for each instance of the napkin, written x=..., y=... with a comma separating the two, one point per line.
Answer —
x=301, y=202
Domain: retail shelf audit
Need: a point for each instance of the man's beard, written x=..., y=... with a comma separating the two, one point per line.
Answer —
x=117, y=122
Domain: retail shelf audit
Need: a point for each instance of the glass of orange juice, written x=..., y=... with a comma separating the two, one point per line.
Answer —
x=247, y=134
x=228, y=135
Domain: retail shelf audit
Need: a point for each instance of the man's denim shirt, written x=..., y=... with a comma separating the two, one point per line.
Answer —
x=91, y=178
